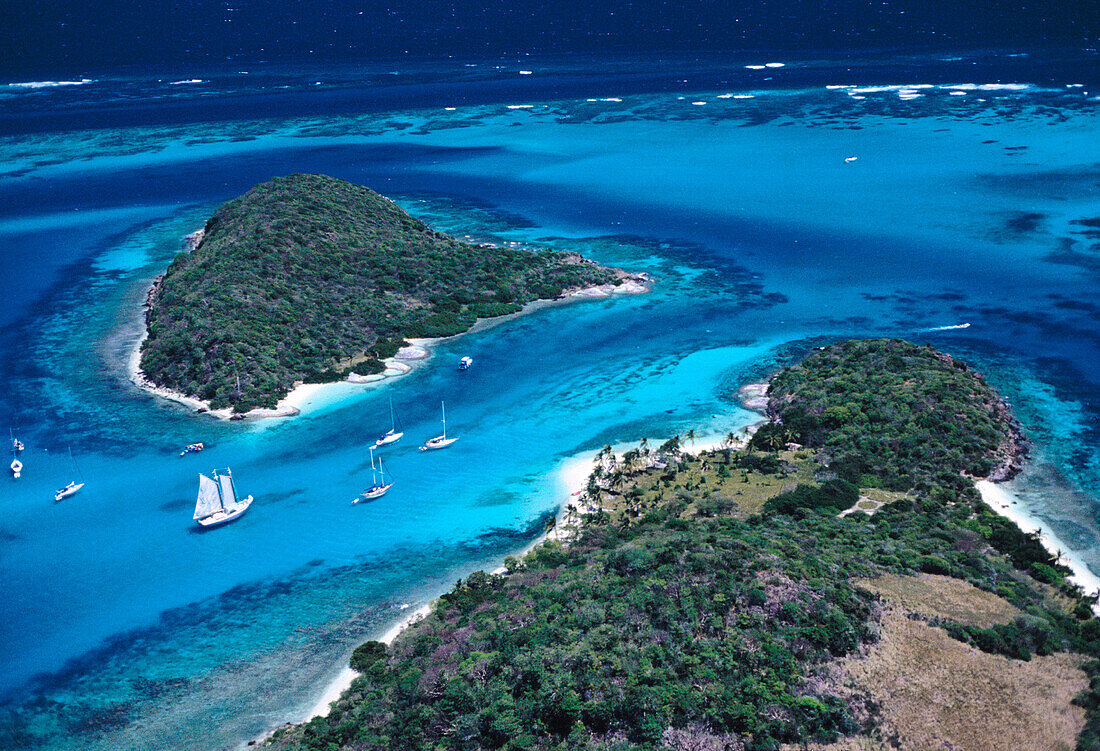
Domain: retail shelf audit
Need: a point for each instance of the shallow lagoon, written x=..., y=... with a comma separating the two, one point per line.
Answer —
x=960, y=208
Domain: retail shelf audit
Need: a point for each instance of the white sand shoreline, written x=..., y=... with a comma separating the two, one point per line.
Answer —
x=408, y=358
x=343, y=681
x=1010, y=507
x=572, y=475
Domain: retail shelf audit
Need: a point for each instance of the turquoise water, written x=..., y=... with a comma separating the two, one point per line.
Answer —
x=127, y=626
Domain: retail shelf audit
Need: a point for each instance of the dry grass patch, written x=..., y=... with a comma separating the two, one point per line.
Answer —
x=883, y=496
x=853, y=743
x=935, y=596
x=937, y=693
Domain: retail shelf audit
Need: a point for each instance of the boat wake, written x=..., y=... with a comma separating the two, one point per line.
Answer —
x=948, y=328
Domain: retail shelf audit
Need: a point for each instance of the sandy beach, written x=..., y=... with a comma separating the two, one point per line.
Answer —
x=572, y=476
x=404, y=362
x=342, y=682
x=1001, y=500
x=407, y=359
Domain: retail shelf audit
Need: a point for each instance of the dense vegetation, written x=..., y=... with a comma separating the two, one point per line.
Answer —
x=891, y=413
x=307, y=277
x=695, y=608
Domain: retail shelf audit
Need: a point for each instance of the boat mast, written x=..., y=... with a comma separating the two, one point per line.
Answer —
x=443, y=406
x=218, y=482
x=73, y=461
x=393, y=422
x=232, y=486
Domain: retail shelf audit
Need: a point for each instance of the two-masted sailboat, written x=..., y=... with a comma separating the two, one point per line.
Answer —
x=379, y=487
x=217, y=502
x=440, y=441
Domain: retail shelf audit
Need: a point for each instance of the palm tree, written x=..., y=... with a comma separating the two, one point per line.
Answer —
x=592, y=489
x=630, y=460
x=731, y=438
x=690, y=435
x=643, y=446
x=773, y=440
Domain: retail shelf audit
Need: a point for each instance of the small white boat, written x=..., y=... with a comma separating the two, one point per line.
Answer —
x=379, y=487
x=440, y=441
x=390, y=436
x=217, y=502
x=192, y=448
x=465, y=363
x=67, y=491
x=73, y=486
x=16, y=468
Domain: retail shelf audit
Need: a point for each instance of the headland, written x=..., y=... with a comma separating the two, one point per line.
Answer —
x=813, y=584
x=308, y=280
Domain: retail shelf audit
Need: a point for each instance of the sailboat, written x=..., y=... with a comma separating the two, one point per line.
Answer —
x=217, y=502
x=391, y=435
x=379, y=487
x=72, y=487
x=16, y=467
x=440, y=441
x=16, y=444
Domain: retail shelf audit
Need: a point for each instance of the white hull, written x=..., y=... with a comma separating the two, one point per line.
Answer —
x=371, y=493
x=223, y=516
x=439, y=442
x=387, y=439
x=67, y=491
x=16, y=468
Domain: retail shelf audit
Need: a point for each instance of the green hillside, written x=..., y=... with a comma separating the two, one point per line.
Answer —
x=892, y=413
x=709, y=603
x=307, y=276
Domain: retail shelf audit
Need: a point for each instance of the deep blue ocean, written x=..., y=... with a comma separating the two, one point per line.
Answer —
x=779, y=202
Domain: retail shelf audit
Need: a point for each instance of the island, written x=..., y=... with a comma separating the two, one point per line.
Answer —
x=308, y=278
x=834, y=582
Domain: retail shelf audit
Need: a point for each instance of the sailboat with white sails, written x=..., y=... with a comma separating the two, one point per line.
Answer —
x=440, y=441
x=379, y=487
x=391, y=435
x=217, y=502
